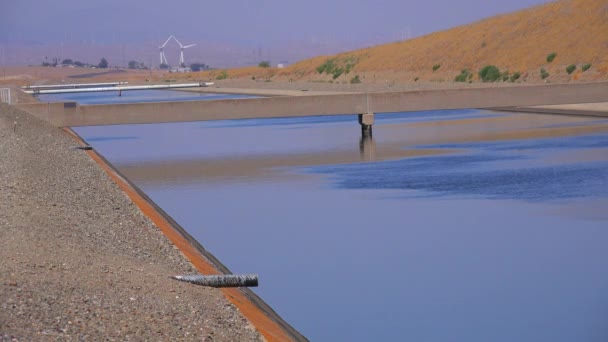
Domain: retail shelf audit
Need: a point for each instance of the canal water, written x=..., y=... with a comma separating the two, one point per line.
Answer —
x=464, y=225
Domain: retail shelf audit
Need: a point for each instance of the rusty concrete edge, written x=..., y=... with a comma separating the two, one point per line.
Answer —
x=248, y=293
x=555, y=111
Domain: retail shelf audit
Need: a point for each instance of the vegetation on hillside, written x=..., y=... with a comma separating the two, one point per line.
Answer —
x=337, y=66
x=543, y=73
x=465, y=75
x=526, y=41
x=489, y=73
x=222, y=75
x=570, y=68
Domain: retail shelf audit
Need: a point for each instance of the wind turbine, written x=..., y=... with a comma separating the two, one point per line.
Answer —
x=181, y=53
x=163, y=58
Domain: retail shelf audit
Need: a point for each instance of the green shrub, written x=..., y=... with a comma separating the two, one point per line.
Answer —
x=264, y=64
x=505, y=76
x=514, y=76
x=355, y=80
x=348, y=67
x=337, y=66
x=222, y=76
x=489, y=73
x=326, y=67
x=337, y=72
x=570, y=68
x=586, y=67
x=551, y=57
x=436, y=66
x=463, y=76
x=416, y=79
x=543, y=73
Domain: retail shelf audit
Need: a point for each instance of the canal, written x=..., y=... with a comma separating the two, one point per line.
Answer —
x=447, y=226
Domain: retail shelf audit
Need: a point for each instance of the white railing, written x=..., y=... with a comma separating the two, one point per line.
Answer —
x=5, y=95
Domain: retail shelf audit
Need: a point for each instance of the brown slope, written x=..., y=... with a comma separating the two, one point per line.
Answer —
x=577, y=30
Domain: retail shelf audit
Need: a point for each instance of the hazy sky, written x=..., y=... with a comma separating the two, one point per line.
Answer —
x=240, y=22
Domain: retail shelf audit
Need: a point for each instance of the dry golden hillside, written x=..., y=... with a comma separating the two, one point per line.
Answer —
x=577, y=30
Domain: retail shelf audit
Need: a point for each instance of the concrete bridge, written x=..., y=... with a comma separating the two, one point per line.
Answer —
x=363, y=104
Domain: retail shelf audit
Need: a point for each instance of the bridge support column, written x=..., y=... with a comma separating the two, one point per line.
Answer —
x=366, y=121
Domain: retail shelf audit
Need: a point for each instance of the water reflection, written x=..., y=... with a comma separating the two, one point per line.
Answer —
x=446, y=226
x=367, y=148
x=135, y=96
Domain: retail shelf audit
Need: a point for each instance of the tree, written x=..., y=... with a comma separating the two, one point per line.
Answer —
x=103, y=63
x=164, y=66
x=199, y=66
x=136, y=65
x=264, y=64
x=67, y=61
x=78, y=64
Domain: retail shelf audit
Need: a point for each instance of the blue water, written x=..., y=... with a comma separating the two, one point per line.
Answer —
x=134, y=96
x=486, y=174
x=491, y=241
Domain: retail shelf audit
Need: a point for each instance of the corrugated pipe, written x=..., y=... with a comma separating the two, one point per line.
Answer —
x=224, y=280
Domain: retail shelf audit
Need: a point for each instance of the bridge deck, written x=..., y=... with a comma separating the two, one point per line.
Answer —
x=72, y=114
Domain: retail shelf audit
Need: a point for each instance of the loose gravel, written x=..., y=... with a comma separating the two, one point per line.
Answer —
x=79, y=261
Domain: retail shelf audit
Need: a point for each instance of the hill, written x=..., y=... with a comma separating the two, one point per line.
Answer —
x=518, y=43
x=575, y=30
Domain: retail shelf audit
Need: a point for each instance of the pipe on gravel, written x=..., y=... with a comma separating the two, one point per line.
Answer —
x=224, y=280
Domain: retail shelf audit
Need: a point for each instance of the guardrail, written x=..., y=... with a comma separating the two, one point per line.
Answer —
x=117, y=88
x=74, y=85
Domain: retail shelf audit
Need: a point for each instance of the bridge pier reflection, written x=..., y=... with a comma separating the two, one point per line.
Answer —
x=367, y=148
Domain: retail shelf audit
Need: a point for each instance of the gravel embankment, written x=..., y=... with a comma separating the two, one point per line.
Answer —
x=79, y=261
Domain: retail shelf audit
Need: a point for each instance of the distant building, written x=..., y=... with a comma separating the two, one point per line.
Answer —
x=176, y=69
x=282, y=64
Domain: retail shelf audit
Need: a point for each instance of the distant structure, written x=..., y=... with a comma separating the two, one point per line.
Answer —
x=163, y=57
x=180, y=69
x=181, y=52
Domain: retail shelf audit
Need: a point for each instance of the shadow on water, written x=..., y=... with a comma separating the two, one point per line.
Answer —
x=475, y=175
x=487, y=170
